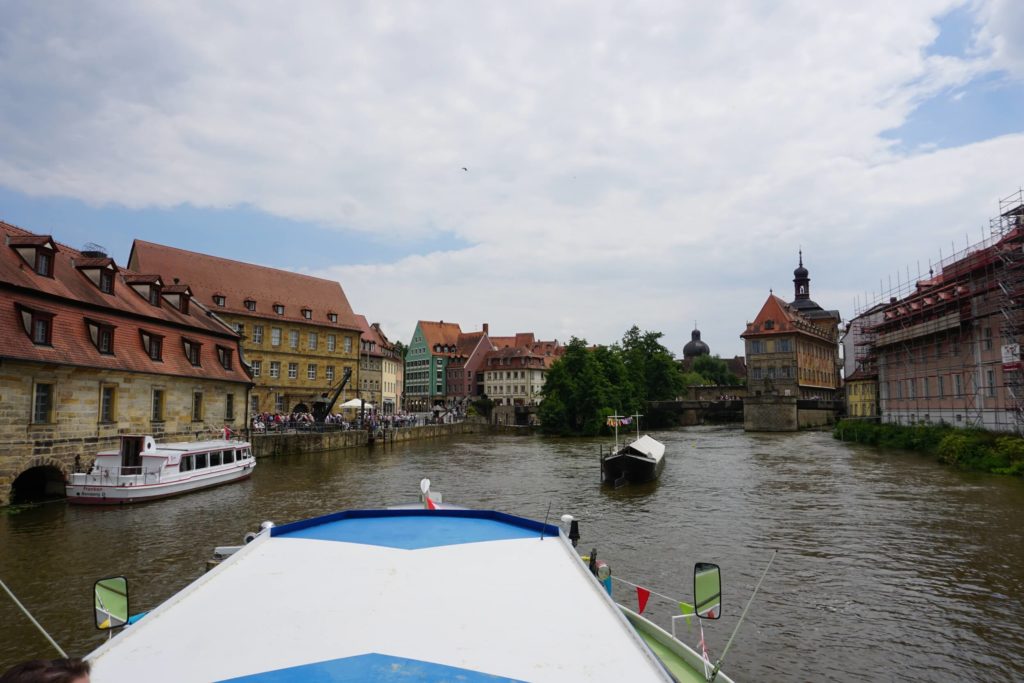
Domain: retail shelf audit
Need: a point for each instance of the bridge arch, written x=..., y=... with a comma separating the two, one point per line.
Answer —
x=39, y=479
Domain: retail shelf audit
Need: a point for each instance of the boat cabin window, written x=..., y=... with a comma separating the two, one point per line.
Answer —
x=200, y=461
x=186, y=464
x=214, y=458
x=244, y=453
x=229, y=457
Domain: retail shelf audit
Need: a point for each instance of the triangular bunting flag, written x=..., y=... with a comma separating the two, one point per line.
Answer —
x=687, y=609
x=431, y=505
x=642, y=594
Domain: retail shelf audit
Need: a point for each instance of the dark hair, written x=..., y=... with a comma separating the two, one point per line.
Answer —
x=47, y=671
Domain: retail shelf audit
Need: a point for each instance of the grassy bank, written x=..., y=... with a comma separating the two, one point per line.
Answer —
x=967, y=449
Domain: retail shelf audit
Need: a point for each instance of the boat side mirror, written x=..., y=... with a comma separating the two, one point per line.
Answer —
x=111, y=602
x=707, y=590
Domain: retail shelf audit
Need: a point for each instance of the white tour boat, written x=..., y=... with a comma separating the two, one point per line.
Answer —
x=143, y=470
x=418, y=593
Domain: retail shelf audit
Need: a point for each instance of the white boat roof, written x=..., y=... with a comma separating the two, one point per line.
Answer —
x=389, y=595
x=186, y=447
x=648, y=447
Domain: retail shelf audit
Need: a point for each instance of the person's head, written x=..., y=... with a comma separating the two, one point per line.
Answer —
x=48, y=671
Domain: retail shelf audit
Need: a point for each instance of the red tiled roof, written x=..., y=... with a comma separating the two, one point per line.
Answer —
x=784, y=319
x=176, y=289
x=368, y=333
x=139, y=279
x=91, y=262
x=72, y=297
x=439, y=333
x=860, y=375
x=23, y=238
x=468, y=342
x=238, y=282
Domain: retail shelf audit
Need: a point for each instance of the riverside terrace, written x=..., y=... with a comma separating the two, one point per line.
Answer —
x=324, y=437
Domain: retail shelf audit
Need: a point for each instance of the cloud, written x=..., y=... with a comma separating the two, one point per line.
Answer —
x=650, y=164
x=1002, y=32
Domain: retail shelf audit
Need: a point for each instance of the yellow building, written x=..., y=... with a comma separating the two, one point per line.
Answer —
x=862, y=395
x=792, y=348
x=380, y=369
x=298, y=332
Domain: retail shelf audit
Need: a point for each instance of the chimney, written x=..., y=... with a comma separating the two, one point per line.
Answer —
x=486, y=328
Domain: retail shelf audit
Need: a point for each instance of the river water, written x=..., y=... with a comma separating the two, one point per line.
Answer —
x=889, y=565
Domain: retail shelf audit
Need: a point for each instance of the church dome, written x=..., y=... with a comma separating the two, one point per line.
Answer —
x=800, y=272
x=695, y=347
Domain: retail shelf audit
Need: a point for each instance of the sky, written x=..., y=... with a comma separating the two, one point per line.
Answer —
x=566, y=168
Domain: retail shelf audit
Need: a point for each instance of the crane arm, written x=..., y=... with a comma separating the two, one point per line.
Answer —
x=323, y=408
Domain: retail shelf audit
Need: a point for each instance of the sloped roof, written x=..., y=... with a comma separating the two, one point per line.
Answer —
x=778, y=317
x=468, y=342
x=238, y=282
x=439, y=332
x=70, y=296
x=372, y=333
x=860, y=375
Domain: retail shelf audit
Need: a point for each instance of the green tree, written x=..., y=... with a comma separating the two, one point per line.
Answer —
x=714, y=370
x=651, y=367
x=587, y=385
x=575, y=392
x=483, y=406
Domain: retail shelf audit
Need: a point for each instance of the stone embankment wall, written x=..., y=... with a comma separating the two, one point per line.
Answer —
x=266, y=445
x=770, y=414
x=785, y=414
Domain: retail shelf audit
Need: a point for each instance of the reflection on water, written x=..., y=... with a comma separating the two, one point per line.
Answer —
x=889, y=565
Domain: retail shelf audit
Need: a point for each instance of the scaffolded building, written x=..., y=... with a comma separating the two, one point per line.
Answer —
x=947, y=346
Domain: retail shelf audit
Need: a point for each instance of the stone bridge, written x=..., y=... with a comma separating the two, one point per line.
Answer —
x=688, y=412
x=37, y=468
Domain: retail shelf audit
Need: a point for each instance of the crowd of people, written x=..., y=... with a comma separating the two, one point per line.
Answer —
x=280, y=422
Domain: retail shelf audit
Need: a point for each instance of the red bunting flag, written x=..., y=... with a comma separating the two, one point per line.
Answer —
x=642, y=594
x=431, y=505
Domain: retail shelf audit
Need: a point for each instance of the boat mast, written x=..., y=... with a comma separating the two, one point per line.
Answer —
x=616, y=418
x=637, y=416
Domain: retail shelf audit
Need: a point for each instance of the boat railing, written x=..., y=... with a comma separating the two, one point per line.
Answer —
x=136, y=473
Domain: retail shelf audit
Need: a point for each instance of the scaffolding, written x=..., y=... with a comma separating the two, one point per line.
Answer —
x=1006, y=225
x=931, y=339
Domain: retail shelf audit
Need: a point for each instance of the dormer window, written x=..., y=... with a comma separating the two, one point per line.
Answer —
x=333, y=317
x=44, y=262
x=250, y=305
x=769, y=324
x=106, y=281
x=178, y=296
x=37, y=251
x=153, y=344
x=101, y=335
x=149, y=287
x=224, y=357
x=219, y=300
x=279, y=309
x=307, y=314
x=98, y=268
x=38, y=325
x=192, y=351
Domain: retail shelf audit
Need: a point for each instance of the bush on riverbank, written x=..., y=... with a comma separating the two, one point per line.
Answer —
x=967, y=449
